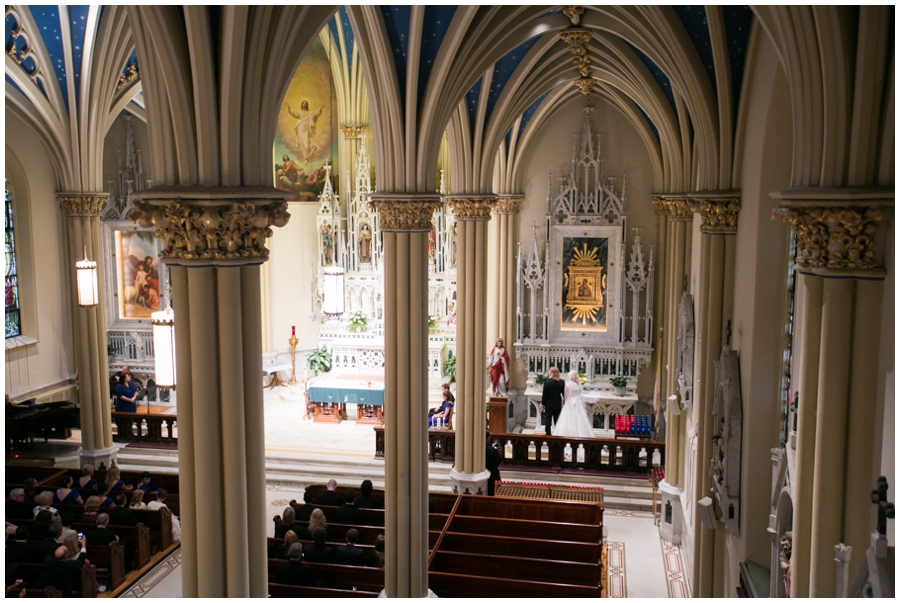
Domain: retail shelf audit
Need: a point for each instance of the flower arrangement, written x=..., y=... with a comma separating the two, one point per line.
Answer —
x=432, y=323
x=358, y=322
x=619, y=381
x=450, y=368
x=540, y=379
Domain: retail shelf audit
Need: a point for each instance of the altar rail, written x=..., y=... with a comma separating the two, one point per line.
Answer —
x=536, y=451
x=141, y=427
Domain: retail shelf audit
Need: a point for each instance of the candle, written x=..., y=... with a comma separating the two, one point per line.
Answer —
x=293, y=330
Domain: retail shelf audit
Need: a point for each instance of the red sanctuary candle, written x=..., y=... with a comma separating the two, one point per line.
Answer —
x=293, y=330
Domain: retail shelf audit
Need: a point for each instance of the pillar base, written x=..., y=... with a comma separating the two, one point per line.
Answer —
x=467, y=483
x=671, y=516
x=430, y=595
x=105, y=456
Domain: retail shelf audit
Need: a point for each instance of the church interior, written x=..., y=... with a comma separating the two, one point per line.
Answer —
x=598, y=300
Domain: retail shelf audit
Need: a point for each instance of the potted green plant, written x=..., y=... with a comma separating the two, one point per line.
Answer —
x=619, y=384
x=319, y=360
x=358, y=322
x=540, y=379
x=450, y=368
x=432, y=323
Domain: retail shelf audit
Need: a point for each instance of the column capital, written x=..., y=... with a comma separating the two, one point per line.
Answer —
x=841, y=237
x=82, y=204
x=677, y=207
x=352, y=130
x=212, y=226
x=718, y=210
x=509, y=204
x=405, y=211
x=472, y=207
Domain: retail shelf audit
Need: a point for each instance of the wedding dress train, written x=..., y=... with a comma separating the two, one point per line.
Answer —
x=573, y=420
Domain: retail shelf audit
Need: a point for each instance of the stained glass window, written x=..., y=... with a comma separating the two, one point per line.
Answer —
x=13, y=318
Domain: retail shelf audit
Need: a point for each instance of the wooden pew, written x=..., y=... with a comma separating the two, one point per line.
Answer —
x=47, y=593
x=283, y=591
x=560, y=550
x=445, y=584
x=85, y=584
x=536, y=510
x=372, y=517
x=344, y=577
x=17, y=474
x=543, y=530
x=109, y=559
x=159, y=522
x=140, y=536
x=518, y=568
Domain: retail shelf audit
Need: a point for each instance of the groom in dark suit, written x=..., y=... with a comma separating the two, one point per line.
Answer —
x=552, y=397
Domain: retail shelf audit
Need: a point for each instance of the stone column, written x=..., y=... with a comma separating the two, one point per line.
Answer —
x=718, y=224
x=501, y=275
x=472, y=215
x=349, y=144
x=214, y=241
x=837, y=254
x=89, y=324
x=405, y=221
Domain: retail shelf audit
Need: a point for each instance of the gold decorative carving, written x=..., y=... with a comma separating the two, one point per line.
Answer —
x=352, y=131
x=660, y=204
x=230, y=233
x=717, y=215
x=578, y=39
x=471, y=209
x=508, y=205
x=834, y=237
x=585, y=85
x=676, y=209
x=574, y=14
x=126, y=79
x=399, y=214
x=82, y=205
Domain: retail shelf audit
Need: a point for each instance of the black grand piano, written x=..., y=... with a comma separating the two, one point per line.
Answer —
x=26, y=421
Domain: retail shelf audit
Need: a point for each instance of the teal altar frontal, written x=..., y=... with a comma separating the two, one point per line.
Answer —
x=340, y=394
x=330, y=399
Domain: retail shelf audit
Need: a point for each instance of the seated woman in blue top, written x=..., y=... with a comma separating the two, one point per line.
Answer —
x=87, y=477
x=442, y=417
x=105, y=501
x=65, y=495
x=145, y=483
x=115, y=483
x=126, y=393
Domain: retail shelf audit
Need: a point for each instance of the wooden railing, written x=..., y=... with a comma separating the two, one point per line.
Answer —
x=141, y=427
x=538, y=451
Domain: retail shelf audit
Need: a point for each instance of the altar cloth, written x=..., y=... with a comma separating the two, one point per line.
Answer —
x=360, y=393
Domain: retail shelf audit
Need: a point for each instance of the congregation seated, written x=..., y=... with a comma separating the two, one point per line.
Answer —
x=350, y=554
x=73, y=545
x=40, y=529
x=288, y=524
x=59, y=571
x=87, y=481
x=365, y=500
x=91, y=508
x=280, y=551
x=120, y=514
x=114, y=481
x=330, y=497
x=102, y=491
x=159, y=503
x=318, y=551
x=303, y=512
x=29, y=486
x=294, y=571
x=101, y=535
x=146, y=478
x=19, y=550
x=442, y=417
x=16, y=507
x=379, y=551
x=137, y=500
x=44, y=500
x=65, y=495
x=67, y=518
x=48, y=544
x=317, y=520
x=348, y=513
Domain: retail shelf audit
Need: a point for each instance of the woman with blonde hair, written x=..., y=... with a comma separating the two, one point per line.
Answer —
x=115, y=481
x=73, y=546
x=289, y=539
x=91, y=508
x=44, y=500
x=87, y=477
x=317, y=520
x=137, y=500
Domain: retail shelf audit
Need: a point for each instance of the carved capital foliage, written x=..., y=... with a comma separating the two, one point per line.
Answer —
x=508, y=205
x=574, y=14
x=578, y=39
x=717, y=215
x=82, y=205
x=413, y=214
x=352, y=131
x=659, y=204
x=471, y=209
x=834, y=237
x=585, y=85
x=676, y=209
x=201, y=230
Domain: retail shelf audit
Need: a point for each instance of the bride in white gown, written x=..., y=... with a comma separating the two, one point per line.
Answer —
x=573, y=420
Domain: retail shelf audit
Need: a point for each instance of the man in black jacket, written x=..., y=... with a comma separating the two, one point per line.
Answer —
x=17, y=508
x=294, y=571
x=350, y=554
x=303, y=512
x=59, y=573
x=492, y=460
x=330, y=497
x=552, y=397
x=348, y=513
x=121, y=515
x=318, y=552
x=101, y=535
x=365, y=500
x=20, y=551
x=49, y=544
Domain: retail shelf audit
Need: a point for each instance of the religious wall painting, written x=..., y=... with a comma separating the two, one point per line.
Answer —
x=137, y=274
x=306, y=133
x=585, y=283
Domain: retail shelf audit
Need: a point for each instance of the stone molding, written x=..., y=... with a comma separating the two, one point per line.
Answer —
x=352, y=131
x=677, y=208
x=399, y=212
x=82, y=204
x=201, y=226
x=836, y=237
x=578, y=39
x=718, y=215
x=472, y=209
x=574, y=14
x=508, y=205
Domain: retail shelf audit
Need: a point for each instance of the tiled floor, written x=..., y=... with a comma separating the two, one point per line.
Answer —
x=645, y=574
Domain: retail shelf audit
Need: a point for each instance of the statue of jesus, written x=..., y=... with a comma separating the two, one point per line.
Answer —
x=498, y=367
